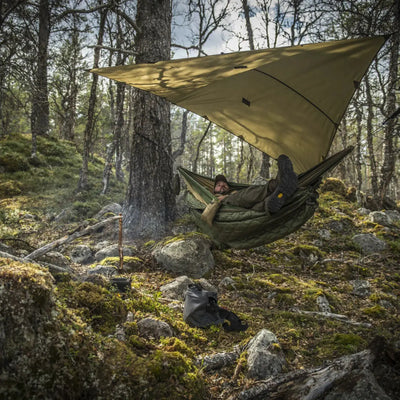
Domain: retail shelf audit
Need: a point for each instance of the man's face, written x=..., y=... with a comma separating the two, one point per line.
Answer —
x=221, y=187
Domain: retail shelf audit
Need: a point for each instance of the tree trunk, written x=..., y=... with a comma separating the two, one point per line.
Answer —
x=241, y=161
x=119, y=118
x=343, y=167
x=150, y=202
x=358, y=153
x=388, y=166
x=178, y=152
x=68, y=126
x=40, y=101
x=114, y=148
x=89, y=128
x=250, y=164
x=199, y=146
x=370, y=117
x=265, y=165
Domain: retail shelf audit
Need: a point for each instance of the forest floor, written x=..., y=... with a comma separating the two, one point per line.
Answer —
x=272, y=282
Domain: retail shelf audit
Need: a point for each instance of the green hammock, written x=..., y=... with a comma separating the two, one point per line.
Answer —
x=249, y=94
x=240, y=228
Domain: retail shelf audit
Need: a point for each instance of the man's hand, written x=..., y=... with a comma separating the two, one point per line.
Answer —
x=222, y=196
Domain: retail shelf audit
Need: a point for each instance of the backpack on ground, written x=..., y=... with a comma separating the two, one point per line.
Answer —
x=201, y=310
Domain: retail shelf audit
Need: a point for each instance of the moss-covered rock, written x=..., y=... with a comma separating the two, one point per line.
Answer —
x=101, y=308
x=49, y=352
x=334, y=185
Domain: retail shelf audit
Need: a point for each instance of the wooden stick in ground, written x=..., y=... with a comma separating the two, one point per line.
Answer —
x=67, y=239
x=120, y=249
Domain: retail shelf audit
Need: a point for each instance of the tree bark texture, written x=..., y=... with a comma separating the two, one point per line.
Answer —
x=40, y=101
x=150, y=201
x=199, y=146
x=114, y=148
x=358, y=163
x=178, y=152
x=265, y=164
x=68, y=125
x=389, y=159
x=370, y=117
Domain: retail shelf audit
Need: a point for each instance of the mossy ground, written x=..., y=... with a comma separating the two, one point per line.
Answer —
x=271, y=283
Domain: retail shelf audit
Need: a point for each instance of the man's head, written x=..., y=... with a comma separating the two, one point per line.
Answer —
x=221, y=185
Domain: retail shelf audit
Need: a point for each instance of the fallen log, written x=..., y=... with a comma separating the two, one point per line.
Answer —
x=52, y=268
x=68, y=239
x=372, y=374
x=339, y=317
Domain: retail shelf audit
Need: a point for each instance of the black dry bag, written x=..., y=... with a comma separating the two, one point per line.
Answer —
x=201, y=310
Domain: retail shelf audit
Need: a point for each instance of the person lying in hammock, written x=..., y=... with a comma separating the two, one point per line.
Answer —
x=268, y=198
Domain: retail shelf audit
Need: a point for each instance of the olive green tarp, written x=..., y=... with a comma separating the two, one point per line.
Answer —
x=287, y=100
x=236, y=227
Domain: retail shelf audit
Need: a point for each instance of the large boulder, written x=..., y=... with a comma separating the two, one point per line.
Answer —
x=112, y=251
x=361, y=288
x=113, y=208
x=381, y=218
x=265, y=357
x=394, y=215
x=56, y=258
x=81, y=254
x=176, y=289
x=369, y=243
x=104, y=270
x=188, y=256
x=151, y=328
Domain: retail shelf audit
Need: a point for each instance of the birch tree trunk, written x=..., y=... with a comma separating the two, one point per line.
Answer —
x=150, y=201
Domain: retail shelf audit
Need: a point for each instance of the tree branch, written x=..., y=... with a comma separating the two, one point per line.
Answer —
x=131, y=52
x=67, y=239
